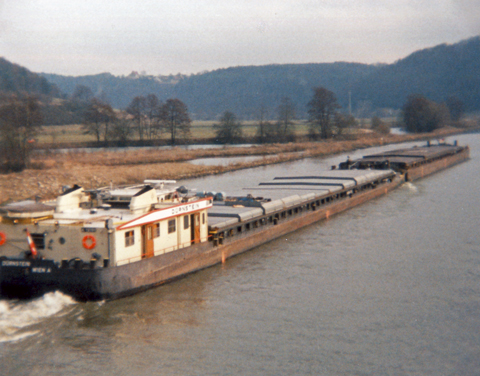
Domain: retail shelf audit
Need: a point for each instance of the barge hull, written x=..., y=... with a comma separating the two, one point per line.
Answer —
x=438, y=165
x=128, y=279
x=29, y=278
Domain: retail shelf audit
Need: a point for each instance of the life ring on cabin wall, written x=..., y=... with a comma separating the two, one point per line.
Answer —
x=3, y=238
x=89, y=242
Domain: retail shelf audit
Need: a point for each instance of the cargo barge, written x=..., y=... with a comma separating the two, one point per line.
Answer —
x=111, y=242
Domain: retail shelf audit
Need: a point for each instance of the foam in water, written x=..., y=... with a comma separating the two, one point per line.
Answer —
x=411, y=187
x=15, y=316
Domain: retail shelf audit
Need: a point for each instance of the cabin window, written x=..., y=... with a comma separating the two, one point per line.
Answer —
x=39, y=240
x=203, y=218
x=171, y=226
x=129, y=238
x=156, y=231
x=186, y=223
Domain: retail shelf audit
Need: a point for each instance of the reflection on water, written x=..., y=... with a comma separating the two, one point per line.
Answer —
x=224, y=161
x=139, y=148
x=389, y=288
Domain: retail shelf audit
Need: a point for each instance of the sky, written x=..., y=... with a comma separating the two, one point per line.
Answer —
x=83, y=37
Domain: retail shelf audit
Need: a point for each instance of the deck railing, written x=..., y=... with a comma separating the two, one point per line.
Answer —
x=160, y=251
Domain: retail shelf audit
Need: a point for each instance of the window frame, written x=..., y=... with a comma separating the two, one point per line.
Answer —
x=172, y=226
x=129, y=238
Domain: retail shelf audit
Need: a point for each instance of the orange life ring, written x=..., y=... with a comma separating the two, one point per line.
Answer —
x=3, y=238
x=89, y=242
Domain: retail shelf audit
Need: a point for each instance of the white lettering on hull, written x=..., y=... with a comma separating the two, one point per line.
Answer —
x=41, y=270
x=15, y=263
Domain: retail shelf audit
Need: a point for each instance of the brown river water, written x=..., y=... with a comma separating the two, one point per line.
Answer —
x=389, y=288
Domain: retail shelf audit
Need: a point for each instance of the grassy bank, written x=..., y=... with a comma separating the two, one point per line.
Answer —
x=75, y=136
x=50, y=171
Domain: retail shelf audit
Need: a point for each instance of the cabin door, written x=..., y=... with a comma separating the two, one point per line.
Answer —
x=195, y=227
x=147, y=248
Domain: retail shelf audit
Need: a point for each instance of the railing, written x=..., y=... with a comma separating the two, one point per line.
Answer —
x=160, y=252
x=221, y=235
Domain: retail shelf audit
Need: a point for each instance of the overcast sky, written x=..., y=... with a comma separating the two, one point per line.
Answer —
x=79, y=37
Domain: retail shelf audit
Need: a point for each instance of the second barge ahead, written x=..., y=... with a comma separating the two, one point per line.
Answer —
x=112, y=242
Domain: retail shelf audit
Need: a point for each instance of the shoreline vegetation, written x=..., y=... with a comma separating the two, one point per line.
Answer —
x=50, y=171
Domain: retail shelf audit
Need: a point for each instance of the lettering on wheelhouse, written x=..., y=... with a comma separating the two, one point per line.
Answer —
x=162, y=214
x=185, y=208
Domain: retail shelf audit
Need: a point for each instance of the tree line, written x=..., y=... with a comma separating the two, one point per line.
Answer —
x=423, y=115
x=20, y=119
x=147, y=118
x=324, y=121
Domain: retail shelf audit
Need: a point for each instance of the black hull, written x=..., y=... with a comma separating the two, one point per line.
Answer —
x=26, y=279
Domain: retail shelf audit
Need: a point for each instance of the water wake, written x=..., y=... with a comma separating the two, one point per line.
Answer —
x=411, y=187
x=17, y=317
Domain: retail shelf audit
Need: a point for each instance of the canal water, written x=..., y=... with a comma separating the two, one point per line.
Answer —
x=388, y=288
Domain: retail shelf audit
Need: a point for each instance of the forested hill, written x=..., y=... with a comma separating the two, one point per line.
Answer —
x=244, y=89
x=438, y=73
x=239, y=89
x=15, y=79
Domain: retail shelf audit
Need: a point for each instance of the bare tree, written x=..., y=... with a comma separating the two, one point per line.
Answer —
x=343, y=122
x=152, y=111
x=136, y=108
x=423, y=115
x=97, y=119
x=263, y=124
x=175, y=119
x=321, y=110
x=229, y=130
x=82, y=93
x=286, y=115
x=20, y=119
x=121, y=131
x=380, y=126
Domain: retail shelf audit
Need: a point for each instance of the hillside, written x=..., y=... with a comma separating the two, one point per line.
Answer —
x=19, y=81
x=15, y=79
x=118, y=91
x=244, y=89
x=238, y=89
x=437, y=73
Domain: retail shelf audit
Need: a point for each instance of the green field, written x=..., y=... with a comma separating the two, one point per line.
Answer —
x=75, y=134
